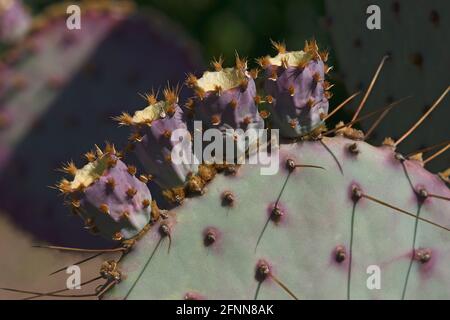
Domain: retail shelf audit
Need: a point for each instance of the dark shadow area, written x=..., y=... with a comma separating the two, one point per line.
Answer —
x=133, y=58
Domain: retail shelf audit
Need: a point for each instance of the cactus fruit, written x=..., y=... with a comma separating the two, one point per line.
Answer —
x=44, y=82
x=226, y=99
x=413, y=36
x=296, y=90
x=14, y=21
x=336, y=208
x=108, y=196
x=152, y=137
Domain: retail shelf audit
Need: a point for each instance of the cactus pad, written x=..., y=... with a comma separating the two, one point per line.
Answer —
x=152, y=135
x=296, y=89
x=108, y=197
x=319, y=226
x=336, y=209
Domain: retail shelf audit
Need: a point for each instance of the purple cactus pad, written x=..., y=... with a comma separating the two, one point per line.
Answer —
x=110, y=199
x=297, y=96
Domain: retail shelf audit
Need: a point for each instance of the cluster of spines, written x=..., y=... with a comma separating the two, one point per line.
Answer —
x=142, y=139
x=169, y=108
x=75, y=195
x=287, y=80
x=217, y=65
x=209, y=104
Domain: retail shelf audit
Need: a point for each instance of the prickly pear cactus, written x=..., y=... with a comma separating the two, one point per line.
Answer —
x=225, y=98
x=297, y=96
x=412, y=34
x=108, y=196
x=317, y=231
x=335, y=209
x=44, y=113
x=152, y=130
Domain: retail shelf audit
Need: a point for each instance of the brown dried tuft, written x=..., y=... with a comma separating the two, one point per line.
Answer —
x=125, y=119
x=174, y=195
x=233, y=103
x=217, y=64
x=215, y=120
x=291, y=90
x=171, y=94
x=241, y=63
x=206, y=172
x=131, y=170
x=145, y=203
x=254, y=73
x=131, y=192
x=264, y=114
x=195, y=185
x=191, y=80
x=279, y=46
x=90, y=156
x=104, y=208
x=70, y=168
x=111, y=183
x=264, y=62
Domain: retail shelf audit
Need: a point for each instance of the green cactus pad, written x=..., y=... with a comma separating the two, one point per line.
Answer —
x=214, y=246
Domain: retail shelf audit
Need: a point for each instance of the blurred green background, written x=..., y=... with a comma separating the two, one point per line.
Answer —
x=221, y=26
x=224, y=27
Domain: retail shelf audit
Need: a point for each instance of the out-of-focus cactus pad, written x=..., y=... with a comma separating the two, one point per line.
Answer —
x=59, y=89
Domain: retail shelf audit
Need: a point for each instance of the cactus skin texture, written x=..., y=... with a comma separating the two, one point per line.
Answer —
x=157, y=140
x=44, y=82
x=14, y=21
x=108, y=197
x=308, y=242
x=337, y=209
x=413, y=35
x=224, y=98
x=296, y=90
x=151, y=139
